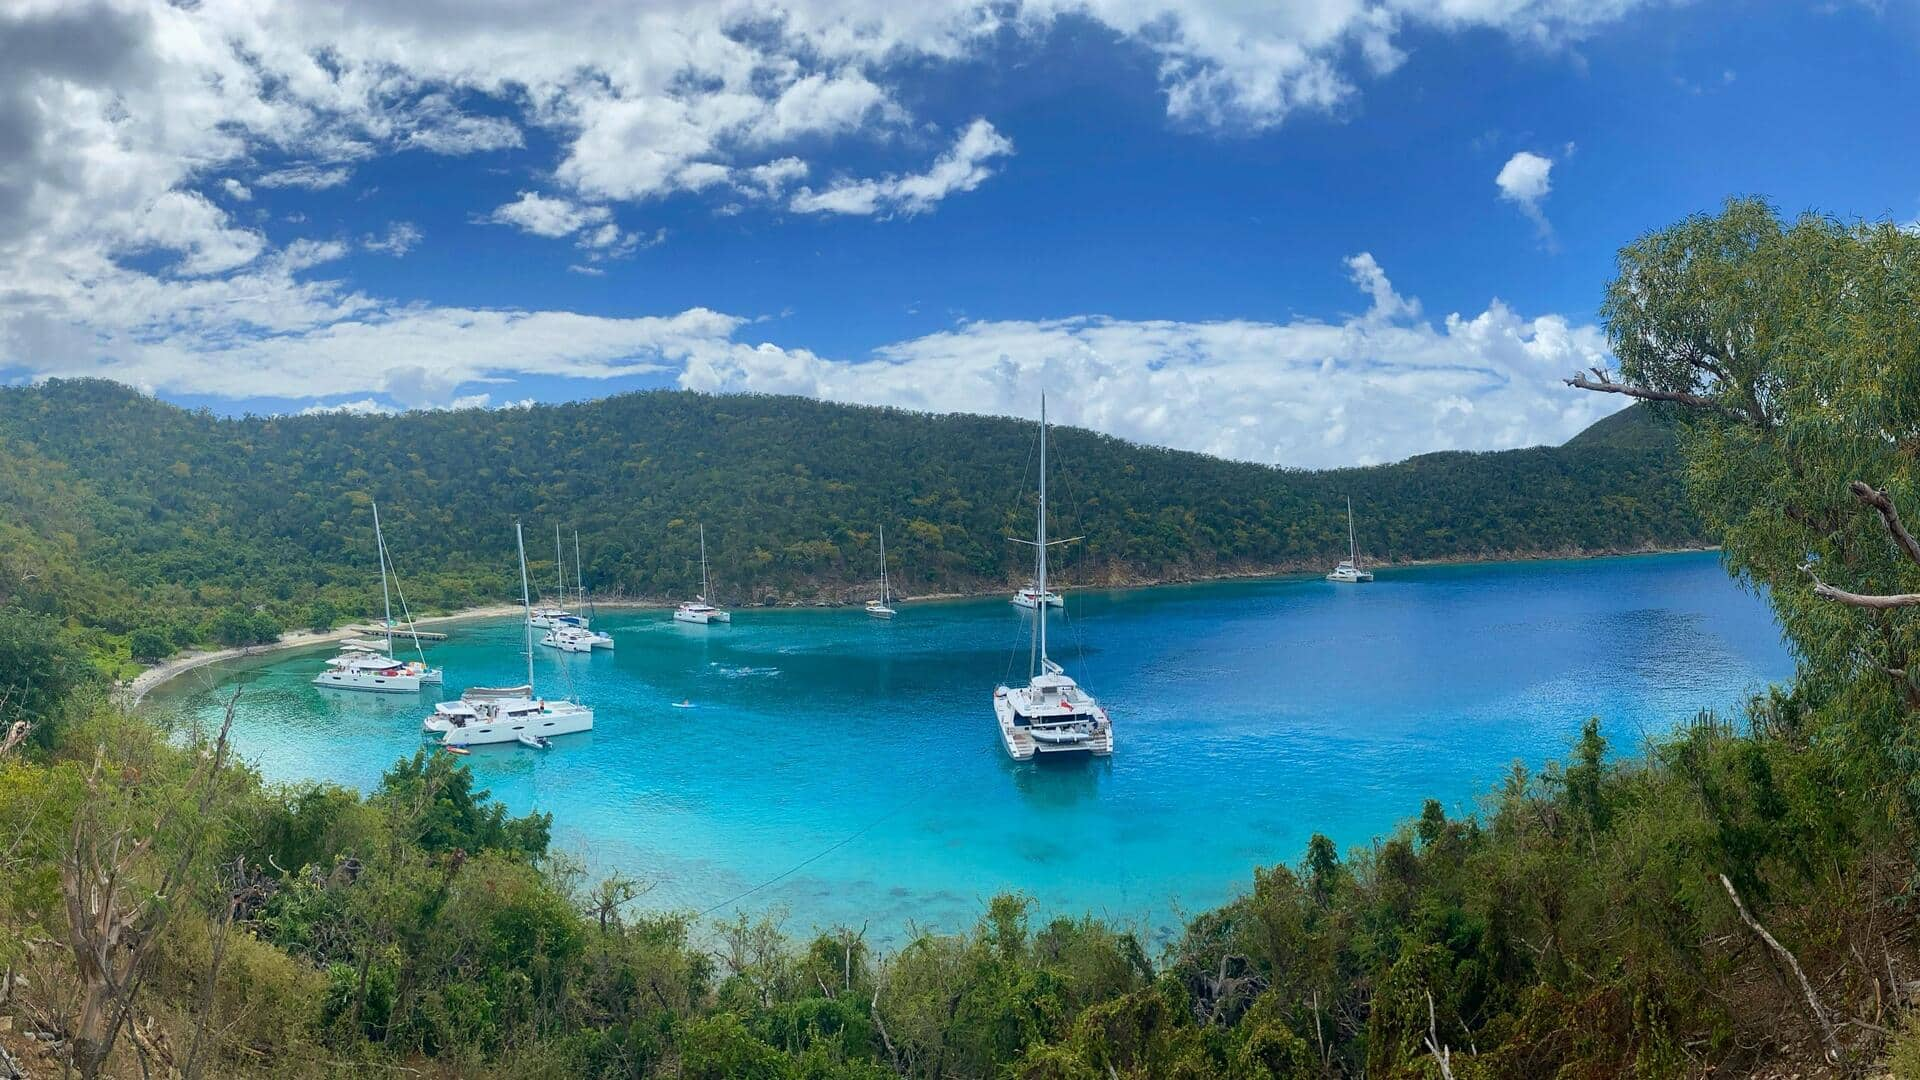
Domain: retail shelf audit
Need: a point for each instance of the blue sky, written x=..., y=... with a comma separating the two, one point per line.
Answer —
x=1275, y=237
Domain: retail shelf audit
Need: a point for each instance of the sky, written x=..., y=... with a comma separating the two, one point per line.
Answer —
x=1310, y=233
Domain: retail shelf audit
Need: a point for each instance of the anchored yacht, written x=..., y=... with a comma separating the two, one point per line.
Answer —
x=507, y=714
x=1349, y=572
x=550, y=616
x=1033, y=596
x=697, y=610
x=597, y=639
x=882, y=608
x=569, y=639
x=1051, y=714
x=369, y=666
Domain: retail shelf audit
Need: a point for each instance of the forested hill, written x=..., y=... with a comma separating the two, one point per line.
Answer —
x=125, y=511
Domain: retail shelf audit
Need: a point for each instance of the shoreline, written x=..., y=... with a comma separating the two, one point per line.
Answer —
x=133, y=693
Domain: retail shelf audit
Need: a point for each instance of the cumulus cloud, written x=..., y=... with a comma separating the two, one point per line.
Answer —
x=1376, y=387
x=549, y=216
x=1525, y=180
x=962, y=168
x=361, y=407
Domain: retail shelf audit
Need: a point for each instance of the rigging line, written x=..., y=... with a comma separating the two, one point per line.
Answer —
x=404, y=613
x=816, y=857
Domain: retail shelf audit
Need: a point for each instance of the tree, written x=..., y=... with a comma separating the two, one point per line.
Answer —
x=39, y=668
x=321, y=616
x=1788, y=354
x=232, y=627
x=148, y=644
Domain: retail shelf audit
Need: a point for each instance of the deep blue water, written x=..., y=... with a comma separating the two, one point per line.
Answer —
x=1249, y=715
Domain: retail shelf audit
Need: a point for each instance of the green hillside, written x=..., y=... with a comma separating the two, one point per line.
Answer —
x=131, y=513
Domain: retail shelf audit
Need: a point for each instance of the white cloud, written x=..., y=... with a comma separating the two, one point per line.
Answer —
x=235, y=189
x=119, y=114
x=548, y=216
x=362, y=407
x=438, y=126
x=310, y=177
x=400, y=238
x=1377, y=387
x=1525, y=180
x=962, y=168
x=770, y=180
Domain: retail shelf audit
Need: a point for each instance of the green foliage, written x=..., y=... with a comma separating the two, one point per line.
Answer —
x=40, y=668
x=148, y=644
x=130, y=512
x=431, y=799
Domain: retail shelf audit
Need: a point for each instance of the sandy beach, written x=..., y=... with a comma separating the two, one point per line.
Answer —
x=144, y=683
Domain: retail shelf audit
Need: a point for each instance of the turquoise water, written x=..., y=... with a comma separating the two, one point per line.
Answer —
x=1248, y=714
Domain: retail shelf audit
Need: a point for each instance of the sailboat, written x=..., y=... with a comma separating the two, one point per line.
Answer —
x=574, y=636
x=1349, y=572
x=879, y=609
x=369, y=666
x=598, y=639
x=508, y=714
x=1051, y=714
x=697, y=610
x=551, y=616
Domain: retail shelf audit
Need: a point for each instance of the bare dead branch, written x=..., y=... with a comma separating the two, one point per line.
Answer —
x=16, y=734
x=1875, y=602
x=1604, y=384
x=1441, y=1055
x=1882, y=504
x=1785, y=957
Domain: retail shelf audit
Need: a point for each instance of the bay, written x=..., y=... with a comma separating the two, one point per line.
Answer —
x=837, y=769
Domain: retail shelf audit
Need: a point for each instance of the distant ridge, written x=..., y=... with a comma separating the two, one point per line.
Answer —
x=1635, y=427
x=126, y=511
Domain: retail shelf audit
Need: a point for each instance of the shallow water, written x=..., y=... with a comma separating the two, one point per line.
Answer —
x=859, y=758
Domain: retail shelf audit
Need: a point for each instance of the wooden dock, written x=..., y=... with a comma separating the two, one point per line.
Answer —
x=398, y=631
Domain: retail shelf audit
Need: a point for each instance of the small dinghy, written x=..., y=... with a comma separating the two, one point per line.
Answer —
x=461, y=750
x=687, y=704
x=1058, y=736
x=534, y=742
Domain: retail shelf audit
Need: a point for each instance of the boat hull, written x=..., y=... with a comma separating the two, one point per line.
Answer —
x=369, y=684
x=570, y=722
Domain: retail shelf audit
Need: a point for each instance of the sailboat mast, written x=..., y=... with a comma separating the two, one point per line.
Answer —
x=526, y=600
x=703, y=564
x=883, y=566
x=1040, y=566
x=579, y=581
x=1353, y=551
x=380, y=544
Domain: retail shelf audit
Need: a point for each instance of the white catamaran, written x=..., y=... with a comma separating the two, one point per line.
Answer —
x=508, y=714
x=369, y=666
x=574, y=636
x=697, y=610
x=1349, y=572
x=556, y=615
x=1051, y=714
x=882, y=608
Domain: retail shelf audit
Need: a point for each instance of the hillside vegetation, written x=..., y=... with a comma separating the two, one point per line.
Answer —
x=127, y=514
